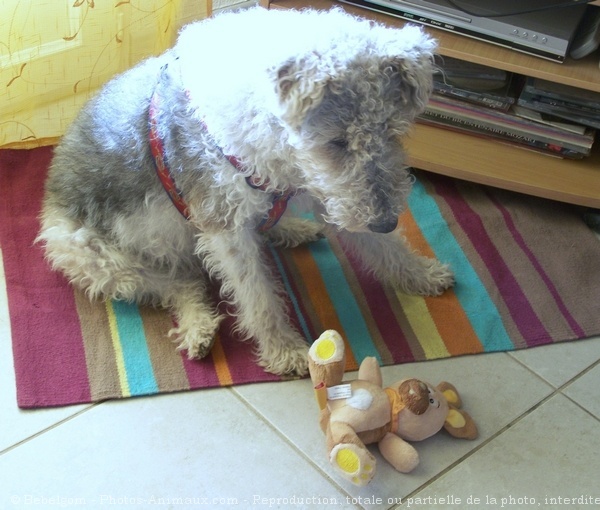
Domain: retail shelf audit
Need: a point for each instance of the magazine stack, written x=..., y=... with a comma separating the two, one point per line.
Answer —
x=530, y=113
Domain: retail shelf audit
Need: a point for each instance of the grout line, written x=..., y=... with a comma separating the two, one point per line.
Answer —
x=532, y=371
x=49, y=428
x=479, y=447
x=574, y=379
x=559, y=389
x=579, y=375
x=287, y=441
x=556, y=391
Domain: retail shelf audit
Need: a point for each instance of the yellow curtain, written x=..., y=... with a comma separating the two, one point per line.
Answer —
x=54, y=54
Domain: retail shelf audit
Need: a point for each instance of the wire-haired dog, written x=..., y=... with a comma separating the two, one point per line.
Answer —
x=172, y=175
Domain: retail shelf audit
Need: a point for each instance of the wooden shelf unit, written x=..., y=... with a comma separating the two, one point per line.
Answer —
x=488, y=161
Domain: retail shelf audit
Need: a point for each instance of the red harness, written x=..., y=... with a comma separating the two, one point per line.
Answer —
x=280, y=200
x=160, y=162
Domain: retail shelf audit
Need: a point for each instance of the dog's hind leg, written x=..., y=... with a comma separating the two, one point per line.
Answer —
x=237, y=259
x=393, y=262
x=104, y=271
x=89, y=261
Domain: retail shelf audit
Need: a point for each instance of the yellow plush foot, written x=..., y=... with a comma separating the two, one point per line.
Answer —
x=353, y=463
x=328, y=348
x=326, y=362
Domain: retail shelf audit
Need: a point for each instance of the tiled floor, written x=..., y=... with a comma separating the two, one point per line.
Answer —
x=259, y=446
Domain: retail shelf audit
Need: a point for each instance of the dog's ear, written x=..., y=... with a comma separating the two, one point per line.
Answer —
x=412, y=82
x=300, y=86
x=410, y=65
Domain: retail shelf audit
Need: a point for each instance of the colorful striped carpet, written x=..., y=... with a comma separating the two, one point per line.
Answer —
x=528, y=273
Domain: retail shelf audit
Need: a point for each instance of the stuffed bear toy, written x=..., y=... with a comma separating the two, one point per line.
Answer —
x=362, y=412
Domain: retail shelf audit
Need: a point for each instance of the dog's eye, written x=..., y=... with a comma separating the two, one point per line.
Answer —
x=339, y=143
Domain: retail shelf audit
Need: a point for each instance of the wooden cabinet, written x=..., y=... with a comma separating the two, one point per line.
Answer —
x=488, y=161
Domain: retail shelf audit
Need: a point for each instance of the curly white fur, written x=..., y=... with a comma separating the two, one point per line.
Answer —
x=308, y=102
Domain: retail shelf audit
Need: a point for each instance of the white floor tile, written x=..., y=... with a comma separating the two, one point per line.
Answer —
x=559, y=363
x=585, y=391
x=549, y=455
x=193, y=445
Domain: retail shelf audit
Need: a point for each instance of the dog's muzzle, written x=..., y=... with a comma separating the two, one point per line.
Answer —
x=384, y=227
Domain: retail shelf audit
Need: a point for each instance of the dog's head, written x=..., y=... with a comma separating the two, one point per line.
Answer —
x=345, y=108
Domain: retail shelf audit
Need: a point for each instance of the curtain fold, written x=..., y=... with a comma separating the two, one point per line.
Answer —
x=55, y=54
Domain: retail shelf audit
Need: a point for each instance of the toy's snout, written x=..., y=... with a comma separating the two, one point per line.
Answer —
x=415, y=394
x=425, y=410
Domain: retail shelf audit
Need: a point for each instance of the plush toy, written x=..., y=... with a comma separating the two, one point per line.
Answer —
x=361, y=412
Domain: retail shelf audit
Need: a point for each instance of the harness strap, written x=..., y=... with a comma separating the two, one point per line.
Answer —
x=160, y=162
x=280, y=200
x=278, y=207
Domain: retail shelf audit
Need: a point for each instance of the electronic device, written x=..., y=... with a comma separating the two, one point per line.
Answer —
x=587, y=39
x=543, y=28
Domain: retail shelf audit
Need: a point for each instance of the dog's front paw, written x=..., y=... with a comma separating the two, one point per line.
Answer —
x=196, y=346
x=431, y=279
x=196, y=338
x=290, y=358
x=439, y=278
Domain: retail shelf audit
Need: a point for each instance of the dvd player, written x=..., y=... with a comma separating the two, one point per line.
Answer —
x=543, y=33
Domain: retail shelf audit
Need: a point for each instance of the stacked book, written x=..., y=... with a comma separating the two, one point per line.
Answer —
x=574, y=105
x=491, y=103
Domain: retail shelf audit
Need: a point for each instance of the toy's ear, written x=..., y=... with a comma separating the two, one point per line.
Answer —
x=300, y=86
x=459, y=424
x=369, y=371
x=451, y=394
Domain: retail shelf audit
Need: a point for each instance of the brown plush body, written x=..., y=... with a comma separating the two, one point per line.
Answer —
x=409, y=410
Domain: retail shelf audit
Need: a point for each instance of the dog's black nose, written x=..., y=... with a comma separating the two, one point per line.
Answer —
x=384, y=227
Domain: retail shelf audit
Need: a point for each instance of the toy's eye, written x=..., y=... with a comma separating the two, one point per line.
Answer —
x=434, y=402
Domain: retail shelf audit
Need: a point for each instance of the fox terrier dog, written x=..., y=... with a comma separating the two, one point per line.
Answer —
x=176, y=173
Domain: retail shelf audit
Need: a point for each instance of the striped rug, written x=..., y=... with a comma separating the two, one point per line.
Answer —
x=528, y=274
